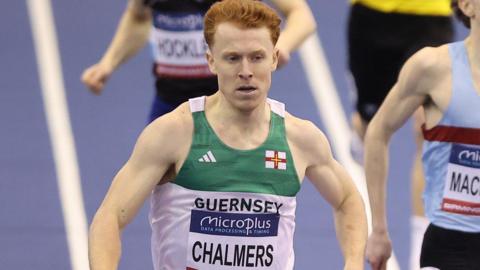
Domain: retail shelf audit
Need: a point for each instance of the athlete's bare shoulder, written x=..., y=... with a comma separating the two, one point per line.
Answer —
x=306, y=137
x=297, y=128
x=176, y=120
x=425, y=71
x=431, y=61
x=171, y=132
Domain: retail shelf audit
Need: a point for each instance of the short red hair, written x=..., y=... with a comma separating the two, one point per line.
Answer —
x=244, y=14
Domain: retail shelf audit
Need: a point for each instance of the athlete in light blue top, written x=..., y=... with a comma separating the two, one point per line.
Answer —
x=445, y=82
x=451, y=154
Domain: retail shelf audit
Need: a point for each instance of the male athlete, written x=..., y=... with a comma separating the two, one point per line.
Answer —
x=223, y=171
x=445, y=82
x=382, y=35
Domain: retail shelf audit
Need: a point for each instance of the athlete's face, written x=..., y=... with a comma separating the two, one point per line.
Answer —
x=243, y=60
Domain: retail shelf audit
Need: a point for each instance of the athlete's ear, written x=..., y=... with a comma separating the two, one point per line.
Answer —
x=276, y=54
x=211, y=61
x=466, y=6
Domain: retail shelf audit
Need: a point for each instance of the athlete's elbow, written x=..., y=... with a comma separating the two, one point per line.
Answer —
x=379, y=129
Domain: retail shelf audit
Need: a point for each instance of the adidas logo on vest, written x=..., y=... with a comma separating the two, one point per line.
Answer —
x=208, y=157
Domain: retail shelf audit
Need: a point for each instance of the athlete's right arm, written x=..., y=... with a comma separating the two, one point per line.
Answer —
x=408, y=94
x=160, y=147
x=131, y=35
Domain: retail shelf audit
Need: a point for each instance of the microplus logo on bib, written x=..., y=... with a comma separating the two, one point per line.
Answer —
x=178, y=21
x=234, y=224
x=465, y=155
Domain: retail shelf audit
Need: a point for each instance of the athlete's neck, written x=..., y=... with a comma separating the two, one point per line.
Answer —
x=221, y=110
x=472, y=43
x=237, y=128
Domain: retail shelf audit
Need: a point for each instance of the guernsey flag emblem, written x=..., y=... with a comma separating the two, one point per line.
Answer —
x=275, y=160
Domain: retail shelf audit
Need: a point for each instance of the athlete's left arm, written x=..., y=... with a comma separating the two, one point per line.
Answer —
x=337, y=187
x=300, y=23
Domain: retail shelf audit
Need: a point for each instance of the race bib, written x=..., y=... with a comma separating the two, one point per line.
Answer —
x=227, y=239
x=461, y=194
x=178, y=45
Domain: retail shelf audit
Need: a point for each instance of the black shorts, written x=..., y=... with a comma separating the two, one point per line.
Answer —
x=450, y=250
x=378, y=45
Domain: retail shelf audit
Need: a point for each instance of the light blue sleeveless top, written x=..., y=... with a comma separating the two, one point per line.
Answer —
x=451, y=153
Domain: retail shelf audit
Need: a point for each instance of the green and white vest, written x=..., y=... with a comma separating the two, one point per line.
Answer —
x=227, y=208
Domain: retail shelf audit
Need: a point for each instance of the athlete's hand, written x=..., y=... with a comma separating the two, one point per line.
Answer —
x=283, y=57
x=379, y=249
x=96, y=76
